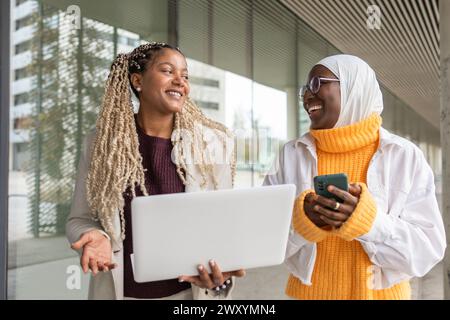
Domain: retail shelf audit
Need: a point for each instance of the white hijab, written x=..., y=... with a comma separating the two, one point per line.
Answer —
x=360, y=92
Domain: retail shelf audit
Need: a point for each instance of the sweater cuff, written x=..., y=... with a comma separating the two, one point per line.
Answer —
x=303, y=225
x=361, y=220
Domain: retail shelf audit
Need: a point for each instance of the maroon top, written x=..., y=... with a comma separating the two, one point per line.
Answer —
x=161, y=177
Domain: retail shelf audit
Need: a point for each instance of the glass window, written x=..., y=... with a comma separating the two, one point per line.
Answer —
x=22, y=47
x=204, y=82
x=21, y=156
x=310, y=49
x=19, y=2
x=207, y=104
x=22, y=123
x=24, y=22
x=68, y=71
x=22, y=73
x=21, y=98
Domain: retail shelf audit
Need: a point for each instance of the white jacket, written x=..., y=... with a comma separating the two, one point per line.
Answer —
x=109, y=285
x=407, y=238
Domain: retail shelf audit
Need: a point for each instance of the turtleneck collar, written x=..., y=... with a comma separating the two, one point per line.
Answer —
x=348, y=138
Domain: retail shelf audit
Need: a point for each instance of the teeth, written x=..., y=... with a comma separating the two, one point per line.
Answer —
x=174, y=93
x=314, y=108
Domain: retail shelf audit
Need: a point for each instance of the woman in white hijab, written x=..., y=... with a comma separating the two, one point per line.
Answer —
x=388, y=228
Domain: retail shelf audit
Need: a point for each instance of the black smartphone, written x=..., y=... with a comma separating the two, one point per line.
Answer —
x=322, y=182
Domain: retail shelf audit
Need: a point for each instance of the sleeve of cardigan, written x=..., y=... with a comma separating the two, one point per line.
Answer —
x=361, y=221
x=303, y=225
x=80, y=220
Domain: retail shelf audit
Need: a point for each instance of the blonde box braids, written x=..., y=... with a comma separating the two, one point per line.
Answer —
x=116, y=163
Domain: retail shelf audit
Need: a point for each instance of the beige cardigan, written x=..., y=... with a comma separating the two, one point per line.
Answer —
x=109, y=285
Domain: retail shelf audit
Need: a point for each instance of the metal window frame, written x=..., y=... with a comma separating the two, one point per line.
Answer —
x=5, y=47
x=172, y=22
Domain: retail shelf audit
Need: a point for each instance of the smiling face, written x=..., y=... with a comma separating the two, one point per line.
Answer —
x=164, y=85
x=324, y=107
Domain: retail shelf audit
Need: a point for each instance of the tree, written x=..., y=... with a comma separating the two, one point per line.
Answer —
x=70, y=68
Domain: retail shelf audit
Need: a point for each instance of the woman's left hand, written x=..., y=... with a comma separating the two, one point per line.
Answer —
x=324, y=206
x=211, y=281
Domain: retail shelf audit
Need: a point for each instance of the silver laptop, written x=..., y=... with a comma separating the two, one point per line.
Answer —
x=240, y=228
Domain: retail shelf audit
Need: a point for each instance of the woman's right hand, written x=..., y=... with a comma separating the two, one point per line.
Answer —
x=313, y=215
x=97, y=252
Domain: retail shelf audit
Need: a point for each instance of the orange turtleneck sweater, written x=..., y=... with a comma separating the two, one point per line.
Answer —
x=342, y=269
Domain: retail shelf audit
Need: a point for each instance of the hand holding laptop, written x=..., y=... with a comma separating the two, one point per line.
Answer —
x=213, y=280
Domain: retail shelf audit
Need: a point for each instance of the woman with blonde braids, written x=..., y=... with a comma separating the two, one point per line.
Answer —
x=169, y=146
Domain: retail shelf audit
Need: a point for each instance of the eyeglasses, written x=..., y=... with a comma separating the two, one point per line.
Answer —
x=314, y=85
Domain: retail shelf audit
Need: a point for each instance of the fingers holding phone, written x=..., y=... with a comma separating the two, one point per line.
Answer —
x=334, y=200
x=341, y=212
x=318, y=209
x=311, y=213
